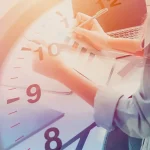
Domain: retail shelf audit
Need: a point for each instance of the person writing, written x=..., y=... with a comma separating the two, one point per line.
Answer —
x=112, y=109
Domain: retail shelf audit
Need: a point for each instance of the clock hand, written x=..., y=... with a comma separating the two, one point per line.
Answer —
x=138, y=59
x=83, y=135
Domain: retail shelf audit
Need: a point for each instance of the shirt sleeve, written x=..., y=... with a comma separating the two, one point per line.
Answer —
x=131, y=115
x=105, y=105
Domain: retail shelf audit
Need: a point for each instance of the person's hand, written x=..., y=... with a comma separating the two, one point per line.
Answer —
x=50, y=66
x=91, y=32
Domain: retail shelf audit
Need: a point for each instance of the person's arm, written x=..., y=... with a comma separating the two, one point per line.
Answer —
x=53, y=67
x=93, y=33
x=124, y=44
x=80, y=85
x=111, y=108
x=131, y=115
x=100, y=40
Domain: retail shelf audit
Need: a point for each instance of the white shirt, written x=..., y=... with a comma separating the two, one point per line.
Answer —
x=131, y=115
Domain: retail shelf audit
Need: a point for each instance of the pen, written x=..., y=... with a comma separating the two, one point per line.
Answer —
x=98, y=14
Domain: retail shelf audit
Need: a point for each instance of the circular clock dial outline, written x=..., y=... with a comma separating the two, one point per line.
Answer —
x=22, y=22
x=8, y=41
x=10, y=37
x=6, y=36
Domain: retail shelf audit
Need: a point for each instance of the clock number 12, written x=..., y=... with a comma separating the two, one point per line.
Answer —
x=112, y=4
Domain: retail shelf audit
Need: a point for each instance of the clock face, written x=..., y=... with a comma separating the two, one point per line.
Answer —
x=36, y=112
x=36, y=108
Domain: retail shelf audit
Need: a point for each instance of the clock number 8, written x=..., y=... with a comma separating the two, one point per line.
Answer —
x=37, y=93
x=51, y=139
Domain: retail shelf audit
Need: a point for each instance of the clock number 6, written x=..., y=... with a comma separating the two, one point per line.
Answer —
x=37, y=93
x=51, y=139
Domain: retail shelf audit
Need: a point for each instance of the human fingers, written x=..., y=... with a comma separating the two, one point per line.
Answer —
x=81, y=32
x=91, y=25
x=97, y=39
x=80, y=18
